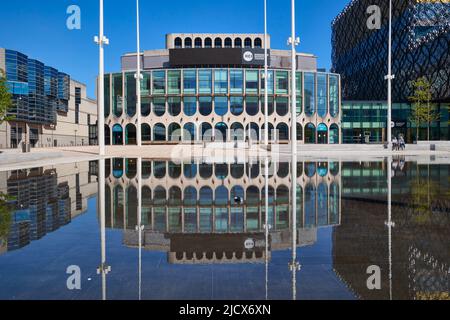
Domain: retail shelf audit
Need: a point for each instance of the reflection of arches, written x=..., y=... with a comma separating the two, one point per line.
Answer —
x=271, y=131
x=189, y=132
x=334, y=134
x=107, y=135
x=252, y=131
x=220, y=132
x=174, y=132
x=322, y=133
x=190, y=170
x=237, y=170
x=322, y=169
x=310, y=169
x=322, y=204
x=310, y=206
x=146, y=132
x=334, y=203
x=131, y=207
x=175, y=196
x=299, y=132
x=221, y=170
x=190, y=196
x=206, y=196
x=310, y=133
x=334, y=168
x=206, y=170
x=174, y=170
x=131, y=168
x=130, y=134
x=221, y=196
x=159, y=168
x=146, y=169
x=253, y=170
x=159, y=132
x=117, y=134
x=283, y=132
x=258, y=43
x=283, y=169
x=117, y=168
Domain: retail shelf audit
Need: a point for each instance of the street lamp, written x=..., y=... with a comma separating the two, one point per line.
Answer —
x=101, y=40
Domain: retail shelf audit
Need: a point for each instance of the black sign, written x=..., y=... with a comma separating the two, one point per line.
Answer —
x=217, y=56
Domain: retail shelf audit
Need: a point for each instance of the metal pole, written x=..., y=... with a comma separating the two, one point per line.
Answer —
x=103, y=269
x=295, y=266
x=139, y=224
x=294, y=84
x=101, y=83
x=266, y=74
x=266, y=222
x=390, y=223
x=389, y=77
x=138, y=78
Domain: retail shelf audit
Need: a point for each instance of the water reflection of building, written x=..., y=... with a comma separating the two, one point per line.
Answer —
x=419, y=246
x=45, y=199
x=204, y=213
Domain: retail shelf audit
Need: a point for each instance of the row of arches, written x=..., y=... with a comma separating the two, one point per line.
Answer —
x=221, y=132
x=120, y=168
x=218, y=42
x=219, y=212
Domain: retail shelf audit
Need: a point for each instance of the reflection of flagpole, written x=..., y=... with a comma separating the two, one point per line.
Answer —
x=266, y=223
x=103, y=269
x=139, y=226
x=294, y=265
x=390, y=224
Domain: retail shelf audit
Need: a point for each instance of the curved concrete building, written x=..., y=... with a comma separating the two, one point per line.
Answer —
x=211, y=87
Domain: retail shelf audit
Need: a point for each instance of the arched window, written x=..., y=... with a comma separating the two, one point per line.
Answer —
x=238, y=43
x=174, y=132
x=174, y=106
x=198, y=43
x=117, y=168
x=237, y=132
x=107, y=135
x=221, y=105
x=236, y=105
x=221, y=170
x=283, y=169
x=117, y=134
x=206, y=131
x=178, y=43
x=248, y=43
x=208, y=43
x=205, y=105
x=159, y=106
x=322, y=169
x=146, y=132
x=206, y=170
x=145, y=106
x=283, y=132
x=334, y=134
x=237, y=170
x=258, y=43
x=159, y=132
x=252, y=131
x=189, y=132
x=310, y=133
x=271, y=131
x=159, y=169
x=334, y=168
x=322, y=133
x=190, y=196
x=190, y=170
x=188, y=43
x=228, y=43
x=146, y=170
x=174, y=170
x=310, y=169
x=189, y=106
x=252, y=170
x=299, y=132
x=282, y=106
x=221, y=130
x=131, y=168
x=252, y=106
x=218, y=43
x=130, y=134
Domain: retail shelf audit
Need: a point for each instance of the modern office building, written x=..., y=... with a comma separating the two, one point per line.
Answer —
x=49, y=108
x=420, y=48
x=211, y=87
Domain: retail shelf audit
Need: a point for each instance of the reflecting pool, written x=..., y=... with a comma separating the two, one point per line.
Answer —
x=149, y=229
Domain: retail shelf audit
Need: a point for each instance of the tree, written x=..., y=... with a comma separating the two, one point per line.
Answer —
x=5, y=99
x=422, y=112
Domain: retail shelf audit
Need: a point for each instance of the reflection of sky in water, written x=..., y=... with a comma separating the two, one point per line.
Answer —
x=38, y=270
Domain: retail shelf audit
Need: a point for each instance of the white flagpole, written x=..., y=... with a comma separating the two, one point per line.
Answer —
x=266, y=74
x=293, y=41
x=389, y=78
x=138, y=78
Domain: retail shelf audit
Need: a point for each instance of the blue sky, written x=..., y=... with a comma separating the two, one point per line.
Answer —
x=38, y=28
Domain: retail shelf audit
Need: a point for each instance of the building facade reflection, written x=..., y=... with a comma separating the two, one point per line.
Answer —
x=205, y=213
x=42, y=200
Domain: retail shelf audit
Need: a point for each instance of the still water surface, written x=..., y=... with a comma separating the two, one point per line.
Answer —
x=206, y=234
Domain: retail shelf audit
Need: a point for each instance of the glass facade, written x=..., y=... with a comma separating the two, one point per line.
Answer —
x=38, y=91
x=224, y=93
